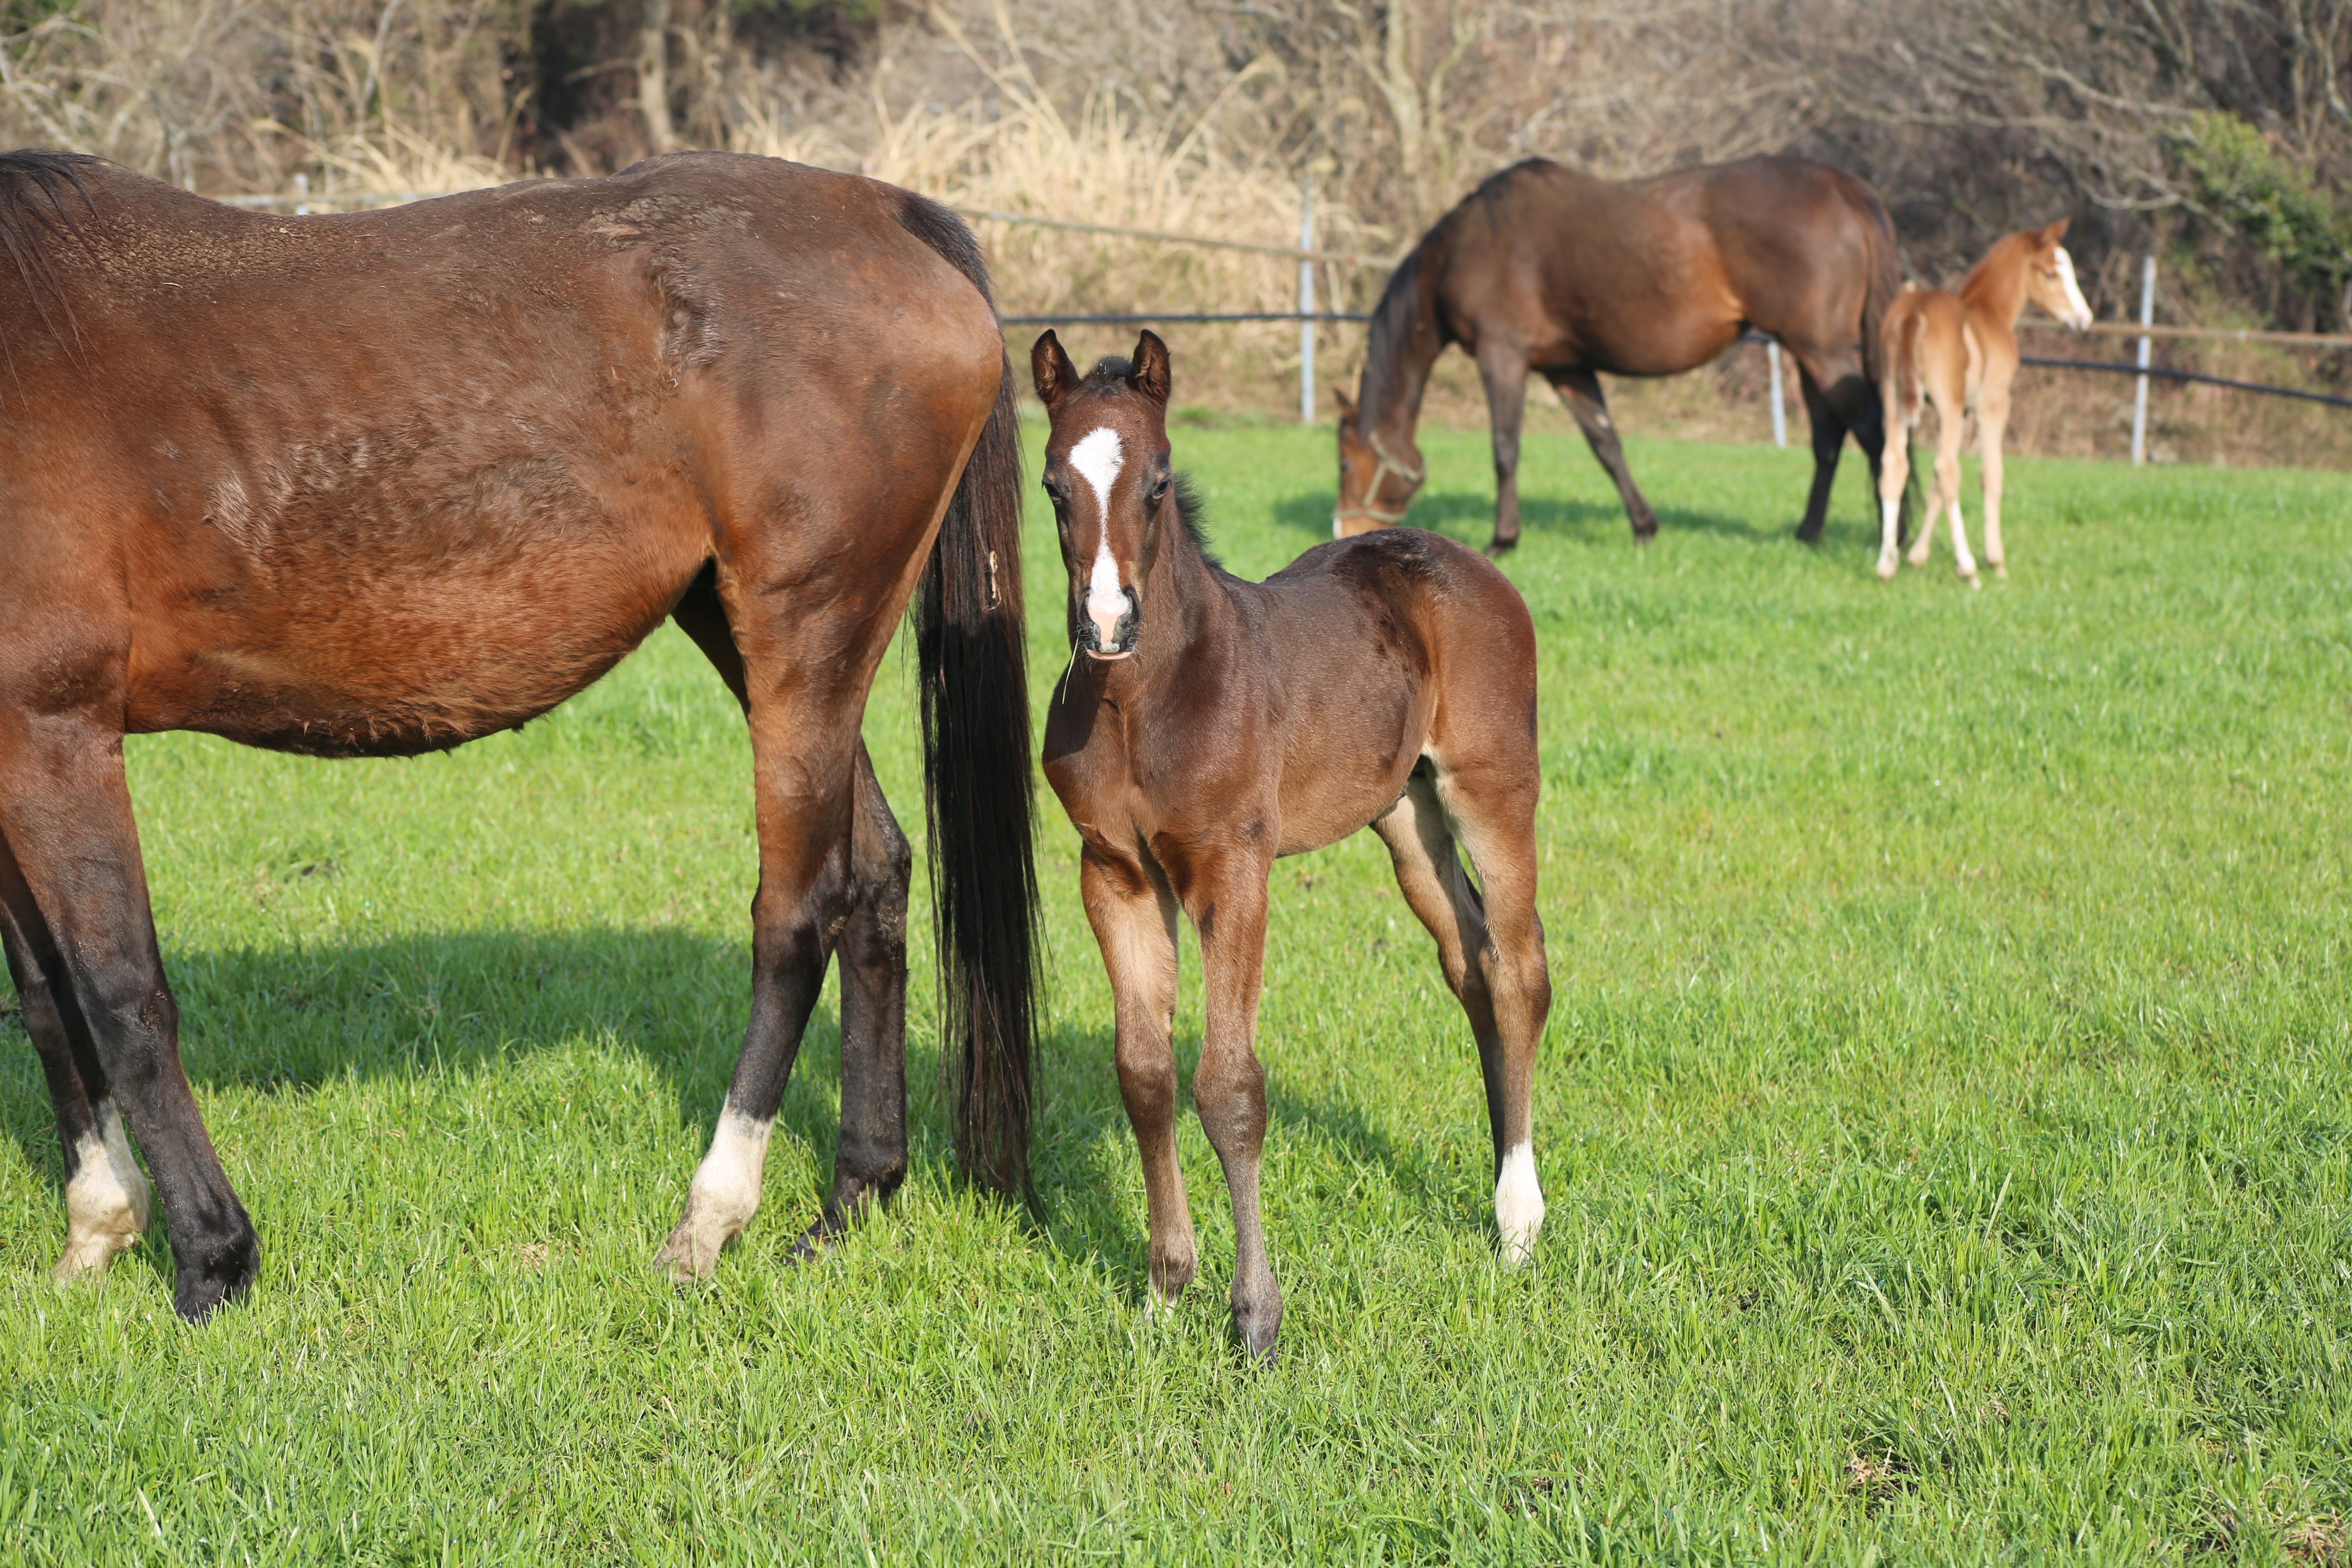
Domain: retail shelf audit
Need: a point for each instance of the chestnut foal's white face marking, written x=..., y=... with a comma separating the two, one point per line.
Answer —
x=1518, y=1204
x=1098, y=457
x=107, y=1203
x=2076, y=311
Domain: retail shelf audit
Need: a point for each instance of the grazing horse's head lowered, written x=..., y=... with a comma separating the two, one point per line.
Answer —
x=1109, y=482
x=1376, y=485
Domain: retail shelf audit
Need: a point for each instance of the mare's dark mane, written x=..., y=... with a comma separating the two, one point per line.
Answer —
x=32, y=212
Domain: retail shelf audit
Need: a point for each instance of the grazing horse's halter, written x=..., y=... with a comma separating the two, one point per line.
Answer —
x=1388, y=466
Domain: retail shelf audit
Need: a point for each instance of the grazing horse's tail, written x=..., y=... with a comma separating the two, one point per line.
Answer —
x=976, y=779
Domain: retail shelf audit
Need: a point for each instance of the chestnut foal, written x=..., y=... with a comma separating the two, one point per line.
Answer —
x=1959, y=352
x=1214, y=724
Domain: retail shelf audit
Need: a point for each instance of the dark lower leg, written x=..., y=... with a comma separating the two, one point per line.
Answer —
x=1580, y=390
x=78, y=922
x=1505, y=372
x=803, y=893
x=870, y=1157
x=1829, y=441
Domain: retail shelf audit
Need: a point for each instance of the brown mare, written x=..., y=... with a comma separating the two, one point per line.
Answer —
x=1546, y=268
x=378, y=484
x=1959, y=353
x=1214, y=724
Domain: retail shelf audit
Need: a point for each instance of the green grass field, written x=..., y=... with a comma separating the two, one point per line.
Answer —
x=1945, y=1114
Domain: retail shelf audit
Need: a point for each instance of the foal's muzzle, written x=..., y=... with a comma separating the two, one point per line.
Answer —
x=1120, y=640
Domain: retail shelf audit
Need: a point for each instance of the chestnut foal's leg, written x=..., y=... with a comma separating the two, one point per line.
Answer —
x=1992, y=423
x=1491, y=950
x=1134, y=920
x=79, y=928
x=1228, y=909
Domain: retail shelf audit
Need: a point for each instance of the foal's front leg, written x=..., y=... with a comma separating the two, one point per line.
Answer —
x=1228, y=908
x=1134, y=919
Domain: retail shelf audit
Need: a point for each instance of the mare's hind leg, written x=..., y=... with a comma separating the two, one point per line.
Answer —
x=78, y=927
x=1503, y=366
x=108, y=1202
x=1495, y=965
x=1580, y=390
x=1134, y=920
x=1829, y=443
x=871, y=1152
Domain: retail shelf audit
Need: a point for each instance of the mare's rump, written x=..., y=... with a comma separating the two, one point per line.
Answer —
x=384, y=481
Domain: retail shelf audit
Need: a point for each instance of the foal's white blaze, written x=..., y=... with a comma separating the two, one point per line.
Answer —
x=2077, y=313
x=1518, y=1204
x=107, y=1203
x=1100, y=458
x=725, y=1193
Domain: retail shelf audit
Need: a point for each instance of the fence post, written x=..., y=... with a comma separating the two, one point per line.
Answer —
x=2139, y=396
x=1307, y=303
x=1780, y=406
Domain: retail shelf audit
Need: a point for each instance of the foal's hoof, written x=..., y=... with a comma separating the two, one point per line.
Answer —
x=2000, y=569
x=1257, y=1319
x=1887, y=567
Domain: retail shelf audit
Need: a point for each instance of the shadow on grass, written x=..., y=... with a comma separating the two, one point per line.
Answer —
x=285, y=1021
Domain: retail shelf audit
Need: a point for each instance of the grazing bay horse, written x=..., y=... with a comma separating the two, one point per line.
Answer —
x=1212, y=724
x=1546, y=268
x=1959, y=353
x=378, y=484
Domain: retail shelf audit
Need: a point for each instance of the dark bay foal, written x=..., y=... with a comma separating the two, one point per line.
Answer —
x=1213, y=725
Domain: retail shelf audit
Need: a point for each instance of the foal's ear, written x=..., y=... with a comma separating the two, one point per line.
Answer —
x=1150, y=375
x=2052, y=233
x=1050, y=369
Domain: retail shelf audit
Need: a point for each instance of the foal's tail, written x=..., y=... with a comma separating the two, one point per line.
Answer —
x=1908, y=391
x=969, y=633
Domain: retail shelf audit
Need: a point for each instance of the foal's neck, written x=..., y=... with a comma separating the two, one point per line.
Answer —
x=1996, y=286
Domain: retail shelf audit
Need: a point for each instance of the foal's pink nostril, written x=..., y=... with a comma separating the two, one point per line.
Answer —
x=1105, y=613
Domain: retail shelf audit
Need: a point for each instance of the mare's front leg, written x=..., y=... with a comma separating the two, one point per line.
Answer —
x=1580, y=390
x=1503, y=367
x=1134, y=920
x=108, y=1202
x=81, y=942
x=1228, y=909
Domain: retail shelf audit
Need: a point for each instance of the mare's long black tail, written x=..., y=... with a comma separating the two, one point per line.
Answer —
x=977, y=792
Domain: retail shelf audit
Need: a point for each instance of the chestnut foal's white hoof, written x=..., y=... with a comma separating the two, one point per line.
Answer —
x=1887, y=567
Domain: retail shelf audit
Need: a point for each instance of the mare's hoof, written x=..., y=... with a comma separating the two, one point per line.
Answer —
x=816, y=1241
x=1498, y=547
x=212, y=1276
x=692, y=1250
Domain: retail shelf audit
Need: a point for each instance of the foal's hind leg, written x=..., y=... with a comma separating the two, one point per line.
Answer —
x=78, y=922
x=1134, y=920
x=107, y=1203
x=1496, y=968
